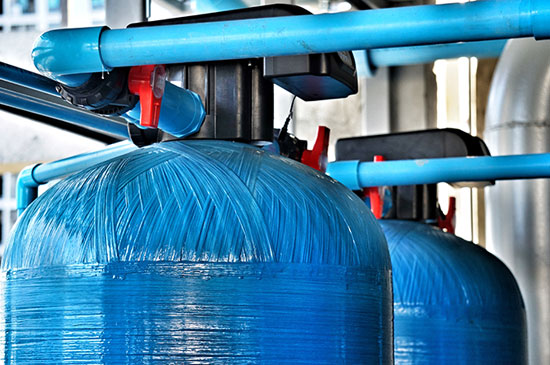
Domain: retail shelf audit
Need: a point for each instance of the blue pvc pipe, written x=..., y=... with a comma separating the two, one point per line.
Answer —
x=80, y=54
x=190, y=111
x=32, y=176
x=26, y=188
x=38, y=82
x=401, y=56
x=356, y=175
x=179, y=105
x=31, y=80
x=72, y=51
x=58, y=111
x=181, y=112
x=207, y=6
x=63, y=112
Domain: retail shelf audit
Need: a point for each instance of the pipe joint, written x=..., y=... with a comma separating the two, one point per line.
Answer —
x=27, y=188
x=346, y=172
x=54, y=53
x=26, y=177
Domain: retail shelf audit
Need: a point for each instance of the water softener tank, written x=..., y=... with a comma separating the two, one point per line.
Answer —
x=454, y=303
x=197, y=252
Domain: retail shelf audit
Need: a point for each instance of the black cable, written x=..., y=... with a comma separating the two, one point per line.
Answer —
x=284, y=130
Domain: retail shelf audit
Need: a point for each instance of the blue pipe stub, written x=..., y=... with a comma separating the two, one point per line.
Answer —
x=197, y=251
x=181, y=114
x=454, y=303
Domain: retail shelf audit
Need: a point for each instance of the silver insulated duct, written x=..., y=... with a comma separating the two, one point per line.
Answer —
x=518, y=212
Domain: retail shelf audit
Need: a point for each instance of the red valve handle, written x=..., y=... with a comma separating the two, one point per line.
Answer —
x=376, y=202
x=317, y=158
x=446, y=222
x=148, y=82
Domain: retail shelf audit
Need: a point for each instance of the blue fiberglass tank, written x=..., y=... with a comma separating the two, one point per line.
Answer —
x=454, y=303
x=197, y=252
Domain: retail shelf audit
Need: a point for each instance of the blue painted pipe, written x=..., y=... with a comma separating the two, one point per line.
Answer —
x=181, y=112
x=370, y=60
x=207, y=6
x=401, y=56
x=61, y=111
x=190, y=110
x=80, y=53
x=356, y=175
x=26, y=188
x=74, y=51
x=32, y=176
x=31, y=80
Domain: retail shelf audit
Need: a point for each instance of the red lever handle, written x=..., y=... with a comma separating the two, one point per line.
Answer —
x=447, y=221
x=148, y=82
x=317, y=158
x=376, y=202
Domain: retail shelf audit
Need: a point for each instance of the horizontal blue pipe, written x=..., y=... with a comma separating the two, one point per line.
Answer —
x=356, y=175
x=74, y=51
x=57, y=169
x=182, y=112
x=61, y=111
x=85, y=41
x=38, y=82
x=31, y=80
x=401, y=56
x=32, y=176
x=207, y=6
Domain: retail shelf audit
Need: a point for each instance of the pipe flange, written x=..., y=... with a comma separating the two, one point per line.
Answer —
x=104, y=93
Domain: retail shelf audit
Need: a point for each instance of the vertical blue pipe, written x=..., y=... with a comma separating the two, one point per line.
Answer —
x=26, y=189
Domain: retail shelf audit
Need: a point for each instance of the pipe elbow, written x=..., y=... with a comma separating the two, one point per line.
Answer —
x=26, y=178
x=27, y=188
x=540, y=19
x=69, y=54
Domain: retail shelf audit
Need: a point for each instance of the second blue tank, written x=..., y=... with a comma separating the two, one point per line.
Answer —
x=454, y=303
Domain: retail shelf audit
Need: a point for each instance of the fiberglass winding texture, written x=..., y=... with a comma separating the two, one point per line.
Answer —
x=197, y=201
x=431, y=267
x=454, y=303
